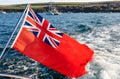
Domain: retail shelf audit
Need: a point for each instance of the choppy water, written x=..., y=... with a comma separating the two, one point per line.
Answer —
x=100, y=31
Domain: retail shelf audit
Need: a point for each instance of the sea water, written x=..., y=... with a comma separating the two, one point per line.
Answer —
x=100, y=31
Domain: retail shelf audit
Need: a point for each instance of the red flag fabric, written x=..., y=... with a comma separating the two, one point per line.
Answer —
x=39, y=40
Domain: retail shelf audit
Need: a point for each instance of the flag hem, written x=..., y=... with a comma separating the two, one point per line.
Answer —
x=20, y=29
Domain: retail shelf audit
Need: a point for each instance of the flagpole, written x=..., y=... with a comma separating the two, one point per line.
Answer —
x=13, y=31
x=36, y=70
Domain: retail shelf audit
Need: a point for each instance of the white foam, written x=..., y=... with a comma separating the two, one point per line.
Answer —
x=105, y=41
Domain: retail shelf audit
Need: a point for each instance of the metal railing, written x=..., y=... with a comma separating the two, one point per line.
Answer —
x=14, y=76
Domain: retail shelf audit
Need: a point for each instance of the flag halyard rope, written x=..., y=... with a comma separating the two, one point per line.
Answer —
x=3, y=51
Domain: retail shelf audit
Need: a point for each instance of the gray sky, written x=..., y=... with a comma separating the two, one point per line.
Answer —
x=10, y=2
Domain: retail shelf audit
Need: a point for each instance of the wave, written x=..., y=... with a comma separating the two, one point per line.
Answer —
x=83, y=28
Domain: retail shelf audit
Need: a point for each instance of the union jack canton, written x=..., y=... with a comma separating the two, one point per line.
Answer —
x=42, y=29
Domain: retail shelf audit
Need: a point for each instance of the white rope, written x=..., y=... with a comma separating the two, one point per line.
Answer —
x=13, y=32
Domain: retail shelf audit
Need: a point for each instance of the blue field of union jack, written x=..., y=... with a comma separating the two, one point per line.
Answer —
x=40, y=27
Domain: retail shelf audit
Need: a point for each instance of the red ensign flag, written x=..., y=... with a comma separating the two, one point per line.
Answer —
x=39, y=40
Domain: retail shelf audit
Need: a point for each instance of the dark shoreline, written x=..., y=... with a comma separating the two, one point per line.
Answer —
x=103, y=7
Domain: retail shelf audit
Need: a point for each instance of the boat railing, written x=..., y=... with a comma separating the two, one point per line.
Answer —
x=14, y=76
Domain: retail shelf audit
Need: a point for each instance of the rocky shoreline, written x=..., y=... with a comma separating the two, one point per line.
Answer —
x=75, y=8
